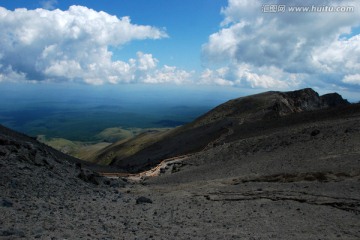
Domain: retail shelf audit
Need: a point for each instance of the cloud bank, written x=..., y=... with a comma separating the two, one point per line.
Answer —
x=285, y=49
x=251, y=49
x=73, y=45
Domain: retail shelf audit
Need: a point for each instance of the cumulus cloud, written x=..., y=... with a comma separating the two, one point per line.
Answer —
x=7, y=74
x=217, y=77
x=245, y=75
x=352, y=79
x=168, y=74
x=146, y=61
x=339, y=56
x=73, y=45
x=145, y=69
x=272, y=50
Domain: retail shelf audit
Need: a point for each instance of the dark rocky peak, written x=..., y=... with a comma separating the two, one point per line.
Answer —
x=307, y=100
x=333, y=100
x=269, y=105
x=303, y=100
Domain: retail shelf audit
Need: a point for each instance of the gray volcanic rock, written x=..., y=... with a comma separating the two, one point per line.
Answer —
x=42, y=195
x=142, y=199
x=6, y=203
x=303, y=100
x=291, y=178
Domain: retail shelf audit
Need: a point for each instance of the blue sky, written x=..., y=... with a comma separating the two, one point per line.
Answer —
x=219, y=44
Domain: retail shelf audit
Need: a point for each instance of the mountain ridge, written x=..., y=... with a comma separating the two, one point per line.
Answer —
x=213, y=125
x=272, y=104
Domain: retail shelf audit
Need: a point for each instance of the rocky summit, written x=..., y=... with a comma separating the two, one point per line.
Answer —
x=276, y=165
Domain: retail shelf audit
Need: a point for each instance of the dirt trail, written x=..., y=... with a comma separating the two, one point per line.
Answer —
x=153, y=172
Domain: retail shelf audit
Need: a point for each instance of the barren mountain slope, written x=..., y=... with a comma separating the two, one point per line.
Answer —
x=294, y=177
x=295, y=181
x=213, y=126
x=44, y=193
x=325, y=142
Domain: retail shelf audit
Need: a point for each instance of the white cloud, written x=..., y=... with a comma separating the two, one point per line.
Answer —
x=294, y=48
x=352, y=79
x=7, y=74
x=73, y=45
x=270, y=79
x=217, y=77
x=146, y=61
x=339, y=56
x=168, y=74
x=245, y=75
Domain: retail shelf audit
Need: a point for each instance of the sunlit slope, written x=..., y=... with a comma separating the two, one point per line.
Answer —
x=88, y=150
x=128, y=147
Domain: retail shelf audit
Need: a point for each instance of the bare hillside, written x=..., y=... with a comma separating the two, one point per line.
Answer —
x=230, y=118
x=294, y=176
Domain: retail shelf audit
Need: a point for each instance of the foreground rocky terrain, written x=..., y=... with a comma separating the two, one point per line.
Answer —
x=292, y=177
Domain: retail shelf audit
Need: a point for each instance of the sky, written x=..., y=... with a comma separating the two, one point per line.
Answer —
x=243, y=45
